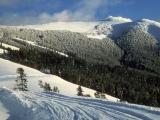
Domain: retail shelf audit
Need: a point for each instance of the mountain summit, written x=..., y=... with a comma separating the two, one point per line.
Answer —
x=117, y=19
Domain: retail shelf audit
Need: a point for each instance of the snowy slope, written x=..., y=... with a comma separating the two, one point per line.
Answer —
x=34, y=44
x=69, y=26
x=9, y=46
x=149, y=26
x=8, y=76
x=51, y=106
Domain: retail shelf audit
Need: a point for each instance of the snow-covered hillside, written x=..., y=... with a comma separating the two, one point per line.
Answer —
x=8, y=77
x=52, y=106
x=34, y=44
x=80, y=27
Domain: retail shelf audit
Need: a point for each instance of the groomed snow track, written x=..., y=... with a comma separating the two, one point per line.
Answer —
x=51, y=106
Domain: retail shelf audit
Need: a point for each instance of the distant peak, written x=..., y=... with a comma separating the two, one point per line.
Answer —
x=118, y=19
x=148, y=20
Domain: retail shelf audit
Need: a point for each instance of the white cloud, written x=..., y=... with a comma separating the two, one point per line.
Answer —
x=119, y=18
x=62, y=16
x=84, y=10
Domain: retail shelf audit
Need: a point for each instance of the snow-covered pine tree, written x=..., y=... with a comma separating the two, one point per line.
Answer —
x=97, y=94
x=55, y=89
x=21, y=81
x=47, y=87
x=40, y=84
x=80, y=91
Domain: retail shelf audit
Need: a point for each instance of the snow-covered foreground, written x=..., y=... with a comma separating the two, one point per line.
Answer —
x=51, y=106
x=37, y=105
x=8, y=77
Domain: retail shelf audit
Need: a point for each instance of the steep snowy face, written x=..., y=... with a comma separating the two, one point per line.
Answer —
x=149, y=26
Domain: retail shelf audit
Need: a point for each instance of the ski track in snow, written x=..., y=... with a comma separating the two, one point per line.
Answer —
x=52, y=106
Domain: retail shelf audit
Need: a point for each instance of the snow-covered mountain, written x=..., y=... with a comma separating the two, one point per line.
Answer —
x=114, y=27
x=137, y=46
x=82, y=38
x=85, y=41
x=109, y=27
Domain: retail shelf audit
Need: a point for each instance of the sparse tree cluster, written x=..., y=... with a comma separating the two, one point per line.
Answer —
x=46, y=87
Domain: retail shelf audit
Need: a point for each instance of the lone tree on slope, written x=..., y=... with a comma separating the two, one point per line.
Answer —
x=21, y=81
x=79, y=91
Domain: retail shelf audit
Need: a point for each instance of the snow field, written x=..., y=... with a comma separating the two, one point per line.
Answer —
x=52, y=106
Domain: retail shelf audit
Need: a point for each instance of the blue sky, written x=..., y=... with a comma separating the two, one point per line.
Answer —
x=43, y=11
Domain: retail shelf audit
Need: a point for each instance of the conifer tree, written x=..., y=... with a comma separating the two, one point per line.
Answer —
x=47, y=87
x=21, y=81
x=40, y=84
x=97, y=94
x=80, y=91
x=55, y=89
